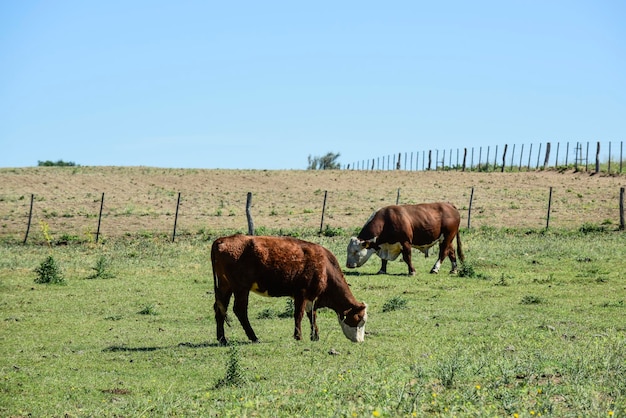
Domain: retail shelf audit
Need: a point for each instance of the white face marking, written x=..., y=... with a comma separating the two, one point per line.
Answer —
x=357, y=254
x=354, y=334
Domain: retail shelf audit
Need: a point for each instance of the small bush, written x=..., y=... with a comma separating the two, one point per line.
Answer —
x=101, y=269
x=332, y=232
x=234, y=373
x=394, y=304
x=466, y=270
x=49, y=272
x=148, y=310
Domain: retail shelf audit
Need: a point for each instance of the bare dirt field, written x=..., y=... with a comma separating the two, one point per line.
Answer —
x=143, y=199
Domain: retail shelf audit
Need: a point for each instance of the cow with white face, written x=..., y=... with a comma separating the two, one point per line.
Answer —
x=397, y=229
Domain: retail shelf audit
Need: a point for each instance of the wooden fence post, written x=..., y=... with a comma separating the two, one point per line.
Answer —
x=30, y=217
x=598, y=158
x=621, y=209
x=249, y=214
x=549, y=206
x=521, y=155
x=176, y=217
x=545, y=161
x=504, y=157
x=99, y=218
x=469, y=211
x=323, y=211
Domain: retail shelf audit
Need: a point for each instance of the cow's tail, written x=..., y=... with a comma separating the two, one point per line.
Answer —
x=216, y=284
x=459, y=247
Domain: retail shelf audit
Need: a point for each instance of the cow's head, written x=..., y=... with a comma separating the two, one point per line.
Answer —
x=359, y=251
x=353, y=322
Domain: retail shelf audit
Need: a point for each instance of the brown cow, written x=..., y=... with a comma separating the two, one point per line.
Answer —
x=282, y=266
x=394, y=230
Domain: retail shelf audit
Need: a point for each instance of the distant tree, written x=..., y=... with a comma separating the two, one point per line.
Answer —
x=326, y=162
x=59, y=163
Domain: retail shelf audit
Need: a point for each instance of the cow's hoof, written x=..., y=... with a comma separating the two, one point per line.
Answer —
x=411, y=273
x=434, y=272
x=381, y=272
x=454, y=272
x=222, y=342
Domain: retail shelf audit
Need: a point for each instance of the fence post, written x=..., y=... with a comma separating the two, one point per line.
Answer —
x=538, y=157
x=469, y=211
x=545, y=161
x=598, y=158
x=609, y=168
x=521, y=155
x=249, y=214
x=549, y=206
x=504, y=157
x=495, y=159
x=621, y=209
x=323, y=211
x=100, y=218
x=530, y=153
x=30, y=217
x=621, y=158
x=512, y=157
x=176, y=217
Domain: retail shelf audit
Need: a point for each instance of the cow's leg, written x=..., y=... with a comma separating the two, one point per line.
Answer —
x=383, y=267
x=452, y=256
x=222, y=299
x=406, y=256
x=298, y=313
x=241, y=310
x=312, y=314
x=444, y=251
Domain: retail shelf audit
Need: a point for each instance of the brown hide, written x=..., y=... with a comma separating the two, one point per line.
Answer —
x=280, y=266
x=420, y=225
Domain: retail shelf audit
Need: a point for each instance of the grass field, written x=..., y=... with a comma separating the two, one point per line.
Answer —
x=534, y=327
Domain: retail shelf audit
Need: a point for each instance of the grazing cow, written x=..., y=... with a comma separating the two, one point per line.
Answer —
x=282, y=266
x=394, y=230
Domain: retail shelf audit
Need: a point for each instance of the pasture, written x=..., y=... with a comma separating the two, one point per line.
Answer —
x=533, y=327
x=538, y=328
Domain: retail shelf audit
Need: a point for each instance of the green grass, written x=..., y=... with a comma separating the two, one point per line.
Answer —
x=538, y=328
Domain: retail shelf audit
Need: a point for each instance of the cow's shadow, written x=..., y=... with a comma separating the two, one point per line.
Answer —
x=146, y=349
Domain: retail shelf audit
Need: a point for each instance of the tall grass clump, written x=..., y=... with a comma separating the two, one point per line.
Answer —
x=49, y=272
x=234, y=372
x=101, y=269
x=394, y=304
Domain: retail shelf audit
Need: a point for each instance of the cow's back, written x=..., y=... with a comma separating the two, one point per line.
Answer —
x=277, y=266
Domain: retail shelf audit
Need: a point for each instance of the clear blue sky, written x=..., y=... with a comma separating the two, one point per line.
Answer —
x=265, y=84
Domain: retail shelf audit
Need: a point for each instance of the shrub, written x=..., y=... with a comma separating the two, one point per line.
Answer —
x=466, y=270
x=394, y=304
x=49, y=272
x=148, y=310
x=101, y=269
x=234, y=373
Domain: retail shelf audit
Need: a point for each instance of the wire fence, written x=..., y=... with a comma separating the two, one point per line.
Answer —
x=607, y=157
x=480, y=206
